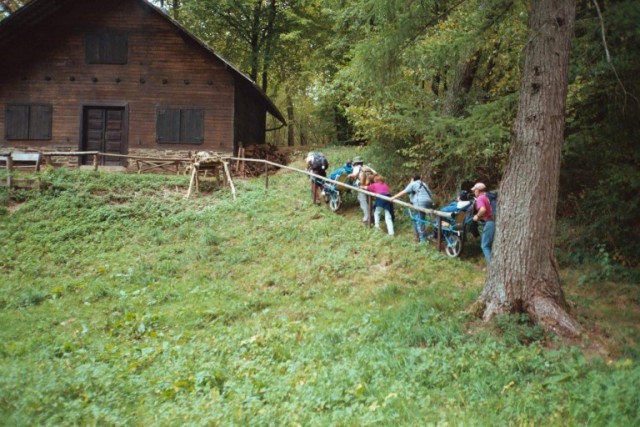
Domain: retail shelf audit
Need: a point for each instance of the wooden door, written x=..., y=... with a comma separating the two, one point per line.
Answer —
x=104, y=131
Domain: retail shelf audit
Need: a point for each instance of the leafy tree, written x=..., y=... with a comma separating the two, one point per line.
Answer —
x=279, y=44
x=434, y=79
x=7, y=7
x=247, y=30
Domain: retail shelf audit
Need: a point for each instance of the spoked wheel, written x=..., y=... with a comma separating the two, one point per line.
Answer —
x=454, y=245
x=335, y=201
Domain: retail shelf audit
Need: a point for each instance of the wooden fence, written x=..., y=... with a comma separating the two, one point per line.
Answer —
x=149, y=163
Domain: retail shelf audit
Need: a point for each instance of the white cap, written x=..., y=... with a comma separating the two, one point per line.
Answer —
x=479, y=186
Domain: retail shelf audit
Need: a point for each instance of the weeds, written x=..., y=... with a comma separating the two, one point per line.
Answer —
x=122, y=303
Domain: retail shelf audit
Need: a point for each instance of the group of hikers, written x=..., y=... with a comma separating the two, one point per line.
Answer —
x=358, y=174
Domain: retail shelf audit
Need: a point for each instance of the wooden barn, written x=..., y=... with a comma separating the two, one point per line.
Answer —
x=120, y=76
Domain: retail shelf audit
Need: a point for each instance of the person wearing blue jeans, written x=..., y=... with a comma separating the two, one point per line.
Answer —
x=485, y=214
x=420, y=196
x=487, y=239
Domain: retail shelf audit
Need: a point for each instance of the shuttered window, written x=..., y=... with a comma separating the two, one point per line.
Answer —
x=106, y=48
x=184, y=126
x=28, y=121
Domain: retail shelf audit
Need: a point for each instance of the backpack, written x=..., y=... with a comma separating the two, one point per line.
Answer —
x=493, y=200
x=365, y=178
x=319, y=162
x=423, y=185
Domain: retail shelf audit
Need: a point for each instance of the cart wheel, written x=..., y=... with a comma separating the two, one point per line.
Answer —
x=454, y=245
x=335, y=202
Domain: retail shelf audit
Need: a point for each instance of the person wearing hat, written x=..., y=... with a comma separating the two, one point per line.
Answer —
x=361, y=175
x=420, y=196
x=461, y=203
x=318, y=164
x=484, y=213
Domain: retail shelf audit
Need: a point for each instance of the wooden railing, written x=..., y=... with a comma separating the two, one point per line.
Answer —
x=159, y=162
x=370, y=195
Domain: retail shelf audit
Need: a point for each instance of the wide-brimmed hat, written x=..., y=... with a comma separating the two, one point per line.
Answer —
x=479, y=186
x=357, y=159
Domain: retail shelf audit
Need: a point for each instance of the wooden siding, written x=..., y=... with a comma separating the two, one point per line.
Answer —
x=164, y=69
x=248, y=110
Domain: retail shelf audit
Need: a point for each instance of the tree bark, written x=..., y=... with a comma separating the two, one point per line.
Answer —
x=269, y=35
x=523, y=275
x=291, y=120
x=455, y=99
x=254, y=40
x=176, y=9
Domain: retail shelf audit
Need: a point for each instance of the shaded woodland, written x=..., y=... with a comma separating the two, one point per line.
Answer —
x=435, y=85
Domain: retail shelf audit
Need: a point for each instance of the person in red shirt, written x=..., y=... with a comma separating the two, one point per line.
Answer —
x=484, y=214
x=379, y=186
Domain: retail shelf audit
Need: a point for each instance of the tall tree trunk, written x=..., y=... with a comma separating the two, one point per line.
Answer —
x=523, y=275
x=290, y=120
x=255, y=40
x=303, y=136
x=269, y=35
x=455, y=100
x=176, y=9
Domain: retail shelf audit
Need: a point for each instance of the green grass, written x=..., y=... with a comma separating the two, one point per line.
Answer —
x=122, y=303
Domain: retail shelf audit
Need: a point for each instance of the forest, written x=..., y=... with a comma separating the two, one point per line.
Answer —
x=434, y=86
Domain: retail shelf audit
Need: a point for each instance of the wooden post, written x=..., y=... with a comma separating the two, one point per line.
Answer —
x=193, y=173
x=233, y=188
x=237, y=165
x=369, y=199
x=9, y=170
x=243, y=164
x=266, y=174
x=95, y=162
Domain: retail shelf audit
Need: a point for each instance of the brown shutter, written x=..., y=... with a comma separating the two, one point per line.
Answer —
x=168, y=125
x=106, y=48
x=16, y=122
x=192, y=126
x=115, y=49
x=40, y=122
x=92, y=49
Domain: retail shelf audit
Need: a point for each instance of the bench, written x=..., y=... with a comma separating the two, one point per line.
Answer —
x=21, y=159
x=144, y=165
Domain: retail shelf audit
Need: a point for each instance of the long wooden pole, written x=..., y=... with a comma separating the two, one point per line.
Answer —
x=126, y=156
x=233, y=188
x=193, y=173
x=351, y=187
x=9, y=171
x=266, y=162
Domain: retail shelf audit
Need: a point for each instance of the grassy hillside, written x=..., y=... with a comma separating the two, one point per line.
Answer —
x=122, y=303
